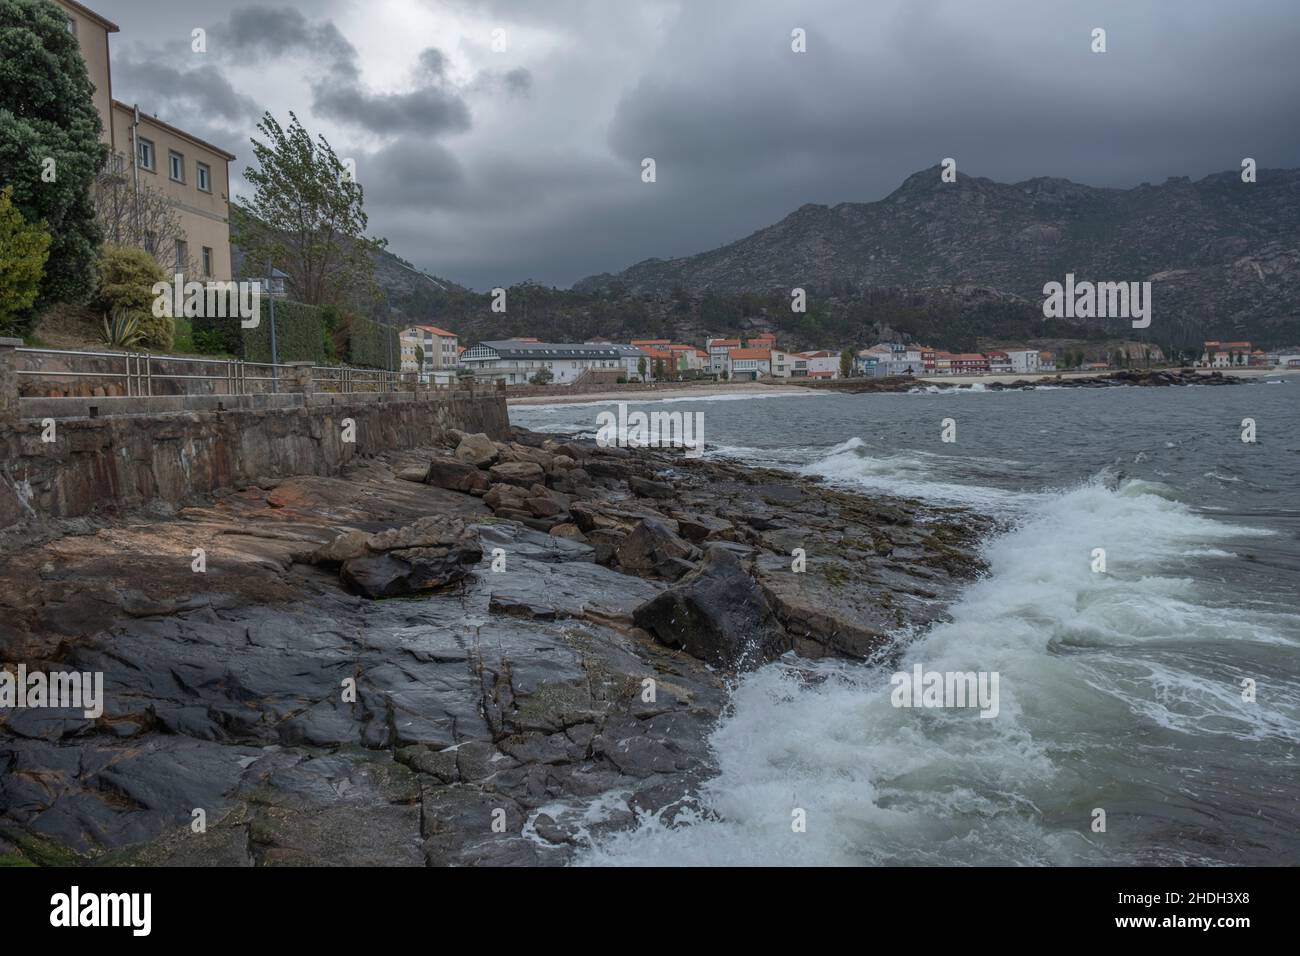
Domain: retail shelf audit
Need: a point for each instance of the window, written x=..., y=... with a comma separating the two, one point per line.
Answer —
x=176, y=166
x=145, y=153
x=72, y=26
x=207, y=261
x=205, y=177
x=182, y=254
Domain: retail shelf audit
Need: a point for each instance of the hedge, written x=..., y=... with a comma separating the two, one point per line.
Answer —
x=371, y=345
x=299, y=334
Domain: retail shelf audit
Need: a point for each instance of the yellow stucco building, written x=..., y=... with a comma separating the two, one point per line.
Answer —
x=193, y=175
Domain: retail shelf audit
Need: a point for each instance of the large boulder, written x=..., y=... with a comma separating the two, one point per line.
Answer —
x=647, y=488
x=522, y=473
x=477, y=450
x=431, y=553
x=718, y=614
x=456, y=476
x=651, y=546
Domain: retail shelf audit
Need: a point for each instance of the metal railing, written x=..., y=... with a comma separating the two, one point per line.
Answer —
x=144, y=374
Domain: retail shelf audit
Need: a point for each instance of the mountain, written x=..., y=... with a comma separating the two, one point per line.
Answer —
x=1223, y=255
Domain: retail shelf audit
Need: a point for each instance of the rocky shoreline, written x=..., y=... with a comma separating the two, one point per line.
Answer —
x=484, y=653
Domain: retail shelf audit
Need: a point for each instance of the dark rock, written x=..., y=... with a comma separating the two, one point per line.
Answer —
x=456, y=476
x=650, y=544
x=646, y=488
x=431, y=553
x=718, y=614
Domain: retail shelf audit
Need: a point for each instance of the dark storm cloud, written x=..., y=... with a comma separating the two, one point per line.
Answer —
x=543, y=180
x=201, y=92
x=253, y=32
x=424, y=112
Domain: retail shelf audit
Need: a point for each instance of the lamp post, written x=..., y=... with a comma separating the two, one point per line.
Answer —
x=275, y=350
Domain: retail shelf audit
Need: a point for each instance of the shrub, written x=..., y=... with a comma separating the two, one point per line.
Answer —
x=157, y=334
x=126, y=279
x=24, y=249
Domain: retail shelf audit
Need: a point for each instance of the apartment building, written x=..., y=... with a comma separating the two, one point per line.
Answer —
x=148, y=153
x=439, y=348
x=515, y=361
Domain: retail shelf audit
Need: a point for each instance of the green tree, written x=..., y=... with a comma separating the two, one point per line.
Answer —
x=846, y=363
x=659, y=369
x=542, y=376
x=307, y=217
x=50, y=149
x=24, y=248
x=640, y=367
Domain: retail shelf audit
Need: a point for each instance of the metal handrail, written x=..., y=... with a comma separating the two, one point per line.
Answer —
x=140, y=369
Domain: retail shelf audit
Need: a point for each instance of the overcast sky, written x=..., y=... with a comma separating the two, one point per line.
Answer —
x=491, y=167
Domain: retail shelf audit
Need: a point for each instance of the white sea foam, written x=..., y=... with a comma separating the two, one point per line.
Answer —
x=1088, y=662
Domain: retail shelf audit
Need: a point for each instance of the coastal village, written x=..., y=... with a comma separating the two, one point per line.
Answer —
x=436, y=356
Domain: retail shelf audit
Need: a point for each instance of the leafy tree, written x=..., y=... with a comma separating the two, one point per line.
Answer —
x=306, y=217
x=846, y=363
x=50, y=149
x=542, y=376
x=659, y=369
x=640, y=367
x=24, y=248
x=419, y=358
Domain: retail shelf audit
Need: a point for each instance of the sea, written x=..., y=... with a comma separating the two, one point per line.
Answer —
x=1149, y=712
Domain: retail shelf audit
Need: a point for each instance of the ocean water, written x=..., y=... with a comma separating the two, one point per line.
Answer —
x=1120, y=691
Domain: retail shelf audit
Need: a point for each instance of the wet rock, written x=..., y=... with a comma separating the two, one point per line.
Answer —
x=718, y=614
x=429, y=554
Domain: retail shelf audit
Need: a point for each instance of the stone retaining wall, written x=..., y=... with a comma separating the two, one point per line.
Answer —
x=123, y=461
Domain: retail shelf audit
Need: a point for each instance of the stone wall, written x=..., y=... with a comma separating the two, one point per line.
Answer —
x=123, y=461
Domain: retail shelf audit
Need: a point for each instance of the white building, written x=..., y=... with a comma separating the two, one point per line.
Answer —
x=439, y=348
x=515, y=362
x=631, y=356
x=781, y=365
x=816, y=365
x=1025, y=360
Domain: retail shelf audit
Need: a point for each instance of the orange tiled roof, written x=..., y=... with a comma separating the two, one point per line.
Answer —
x=436, y=331
x=750, y=354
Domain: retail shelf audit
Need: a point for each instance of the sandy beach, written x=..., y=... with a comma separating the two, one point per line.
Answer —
x=653, y=393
